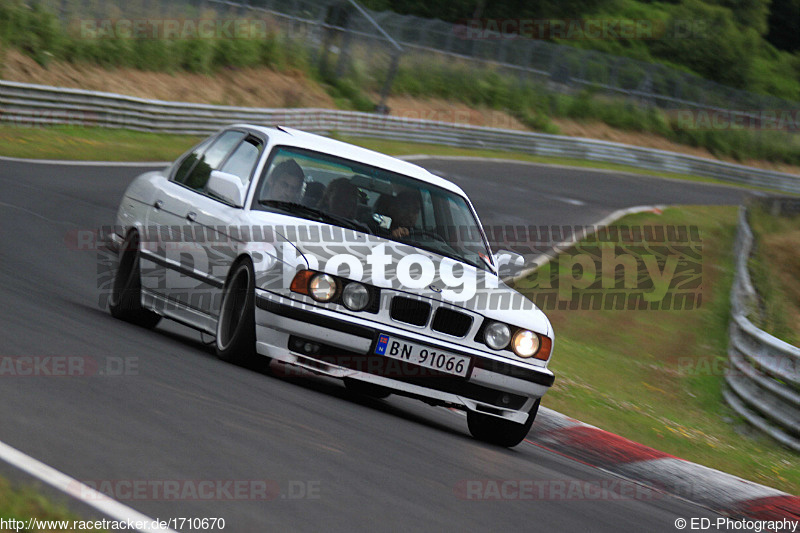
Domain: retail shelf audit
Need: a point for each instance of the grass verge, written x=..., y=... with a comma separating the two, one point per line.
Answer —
x=25, y=503
x=656, y=376
x=91, y=144
x=80, y=143
x=775, y=270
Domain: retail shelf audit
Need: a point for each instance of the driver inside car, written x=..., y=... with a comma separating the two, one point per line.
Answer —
x=404, y=210
x=340, y=198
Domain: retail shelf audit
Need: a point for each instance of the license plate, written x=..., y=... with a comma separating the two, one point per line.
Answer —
x=426, y=356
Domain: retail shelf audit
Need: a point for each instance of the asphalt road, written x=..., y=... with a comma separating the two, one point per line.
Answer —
x=177, y=414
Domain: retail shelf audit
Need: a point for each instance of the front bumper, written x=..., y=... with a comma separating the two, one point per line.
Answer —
x=346, y=350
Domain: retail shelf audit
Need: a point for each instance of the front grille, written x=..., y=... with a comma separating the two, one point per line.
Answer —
x=451, y=322
x=414, y=312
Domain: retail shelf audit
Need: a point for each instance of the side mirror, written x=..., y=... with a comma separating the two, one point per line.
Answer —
x=227, y=187
x=509, y=263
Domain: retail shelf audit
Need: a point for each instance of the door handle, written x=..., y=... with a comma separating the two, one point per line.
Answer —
x=190, y=216
x=159, y=204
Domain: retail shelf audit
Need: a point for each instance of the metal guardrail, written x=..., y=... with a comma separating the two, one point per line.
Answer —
x=763, y=375
x=28, y=104
x=644, y=83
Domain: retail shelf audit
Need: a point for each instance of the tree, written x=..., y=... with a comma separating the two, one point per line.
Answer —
x=784, y=25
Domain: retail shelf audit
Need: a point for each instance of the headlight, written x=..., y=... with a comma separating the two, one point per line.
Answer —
x=355, y=296
x=322, y=287
x=496, y=335
x=525, y=343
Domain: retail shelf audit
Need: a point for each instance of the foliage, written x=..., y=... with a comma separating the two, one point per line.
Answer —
x=38, y=33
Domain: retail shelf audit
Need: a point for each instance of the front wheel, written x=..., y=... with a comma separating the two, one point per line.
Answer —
x=236, y=327
x=125, y=302
x=498, y=431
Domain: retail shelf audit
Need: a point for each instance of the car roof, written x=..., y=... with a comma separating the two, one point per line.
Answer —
x=282, y=135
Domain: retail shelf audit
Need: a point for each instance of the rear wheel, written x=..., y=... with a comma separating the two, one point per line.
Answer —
x=498, y=431
x=236, y=327
x=125, y=302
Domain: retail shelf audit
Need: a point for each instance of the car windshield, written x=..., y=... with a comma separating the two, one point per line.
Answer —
x=357, y=196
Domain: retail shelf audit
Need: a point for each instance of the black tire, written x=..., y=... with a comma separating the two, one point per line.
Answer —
x=236, y=327
x=498, y=431
x=125, y=302
x=367, y=389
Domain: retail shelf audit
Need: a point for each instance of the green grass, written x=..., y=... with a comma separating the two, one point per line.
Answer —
x=23, y=503
x=775, y=271
x=79, y=143
x=91, y=144
x=656, y=376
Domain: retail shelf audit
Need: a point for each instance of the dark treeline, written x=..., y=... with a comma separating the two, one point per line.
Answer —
x=749, y=44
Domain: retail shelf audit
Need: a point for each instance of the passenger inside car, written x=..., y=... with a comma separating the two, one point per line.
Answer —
x=285, y=182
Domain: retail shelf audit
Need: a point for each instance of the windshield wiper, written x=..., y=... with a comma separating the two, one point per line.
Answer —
x=322, y=216
x=449, y=251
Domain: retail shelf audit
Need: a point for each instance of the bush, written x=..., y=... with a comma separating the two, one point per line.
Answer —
x=152, y=54
x=194, y=55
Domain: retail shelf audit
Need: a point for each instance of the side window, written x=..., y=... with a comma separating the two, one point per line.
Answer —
x=243, y=159
x=197, y=176
x=189, y=161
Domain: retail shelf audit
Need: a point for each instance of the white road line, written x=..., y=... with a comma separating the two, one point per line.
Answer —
x=85, y=494
x=566, y=200
x=585, y=231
